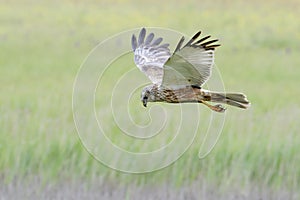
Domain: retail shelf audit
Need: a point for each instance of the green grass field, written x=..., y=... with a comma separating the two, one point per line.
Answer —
x=44, y=44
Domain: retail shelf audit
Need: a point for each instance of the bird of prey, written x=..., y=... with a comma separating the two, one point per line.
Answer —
x=179, y=77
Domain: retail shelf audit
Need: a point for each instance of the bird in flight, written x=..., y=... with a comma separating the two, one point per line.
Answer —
x=179, y=77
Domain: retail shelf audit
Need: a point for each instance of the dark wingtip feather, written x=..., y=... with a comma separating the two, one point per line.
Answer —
x=142, y=36
x=133, y=42
x=157, y=41
x=164, y=45
x=196, y=35
x=212, y=47
x=209, y=42
x=179, y=44
x=202, y=39
x=149, y=38
x=198, y=43
x=193, y=38
x=206, y=44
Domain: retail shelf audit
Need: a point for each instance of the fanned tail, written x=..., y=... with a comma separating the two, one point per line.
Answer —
x=234, y=99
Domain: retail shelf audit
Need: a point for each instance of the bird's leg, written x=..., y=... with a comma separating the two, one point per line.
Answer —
x=217, y=108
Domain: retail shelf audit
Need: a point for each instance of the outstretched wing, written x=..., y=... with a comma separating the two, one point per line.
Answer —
x=190, y=64
x=150, y=56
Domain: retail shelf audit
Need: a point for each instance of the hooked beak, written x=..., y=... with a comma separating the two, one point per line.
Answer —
x=145, y=102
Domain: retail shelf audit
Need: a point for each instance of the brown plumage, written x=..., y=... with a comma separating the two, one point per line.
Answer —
x=178, y=78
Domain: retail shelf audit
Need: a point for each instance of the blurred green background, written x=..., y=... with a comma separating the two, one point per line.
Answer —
x=44, y=43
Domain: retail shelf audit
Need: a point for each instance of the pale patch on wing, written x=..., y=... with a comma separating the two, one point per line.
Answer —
x=150, y=56
x=191, y=64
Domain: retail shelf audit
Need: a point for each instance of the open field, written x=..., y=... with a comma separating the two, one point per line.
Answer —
x=43, y=46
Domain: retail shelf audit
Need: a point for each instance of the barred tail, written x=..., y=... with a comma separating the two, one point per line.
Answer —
x=233, y=99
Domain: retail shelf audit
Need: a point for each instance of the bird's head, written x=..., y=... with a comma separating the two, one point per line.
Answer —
x=148, y=94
